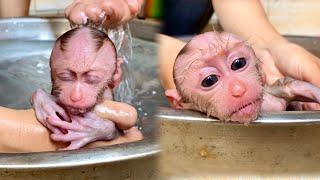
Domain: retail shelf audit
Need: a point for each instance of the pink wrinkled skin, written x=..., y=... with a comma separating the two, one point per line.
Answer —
x=238, y=95
x=95, y=70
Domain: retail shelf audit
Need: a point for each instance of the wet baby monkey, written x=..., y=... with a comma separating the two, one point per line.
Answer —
x=218, y=74
x=80, y=109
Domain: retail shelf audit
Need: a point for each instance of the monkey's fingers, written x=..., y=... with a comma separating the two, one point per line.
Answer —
x=91, y=115
x=42, y=118
x=62, y=112
x=53, y=129
x=76, y=145
x=303, y=91
x=70, y=137
x=85, y=122
x=63, y=124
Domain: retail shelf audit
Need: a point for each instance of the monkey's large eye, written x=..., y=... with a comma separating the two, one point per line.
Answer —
x=209, y=80
x=238, y=63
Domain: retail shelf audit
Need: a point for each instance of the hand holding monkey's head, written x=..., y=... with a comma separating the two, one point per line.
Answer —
x=83, y=66
x=216, y=73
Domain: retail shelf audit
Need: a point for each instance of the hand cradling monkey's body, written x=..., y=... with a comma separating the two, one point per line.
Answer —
x=218, y=74
x=84, y=71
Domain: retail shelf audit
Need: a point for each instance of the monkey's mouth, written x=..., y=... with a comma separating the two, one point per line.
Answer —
x=77, y=111
x=246, y=112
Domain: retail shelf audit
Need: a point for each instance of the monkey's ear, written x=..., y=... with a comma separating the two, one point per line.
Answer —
x=175, y=99
x=118, y=73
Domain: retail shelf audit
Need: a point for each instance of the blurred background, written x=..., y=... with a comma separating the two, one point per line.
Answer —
x=291, y=17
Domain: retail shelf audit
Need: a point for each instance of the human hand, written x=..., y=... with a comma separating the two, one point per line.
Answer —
x=84, y=130
x=282, y=58
x=108, y=13
x=46, y=108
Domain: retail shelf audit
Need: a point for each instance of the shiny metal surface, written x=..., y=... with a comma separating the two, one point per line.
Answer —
x=96, y=156
x=36, y=29
x=201, y=149
x=276, y=118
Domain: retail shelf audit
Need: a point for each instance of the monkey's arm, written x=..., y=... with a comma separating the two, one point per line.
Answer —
x=122, y=114
x=286, y=90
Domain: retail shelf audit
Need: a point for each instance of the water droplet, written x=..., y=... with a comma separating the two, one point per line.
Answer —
x=40, y=65
x=145, y=114
x=7, y=30
x=154, y=92
x=139, y=109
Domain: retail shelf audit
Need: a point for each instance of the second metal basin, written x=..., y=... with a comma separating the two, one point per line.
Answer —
x=282, y=144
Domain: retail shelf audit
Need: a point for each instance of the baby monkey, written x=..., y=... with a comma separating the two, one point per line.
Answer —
x=218, y=74
x=84, y=70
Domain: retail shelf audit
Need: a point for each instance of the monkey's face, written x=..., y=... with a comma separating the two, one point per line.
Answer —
x=218, y=75
x=81, y=77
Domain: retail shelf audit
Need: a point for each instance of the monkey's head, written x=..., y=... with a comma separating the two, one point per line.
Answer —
x=83, y=66
x=217, y=73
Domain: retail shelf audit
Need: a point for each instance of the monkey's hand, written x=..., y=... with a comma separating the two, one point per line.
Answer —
x=286, y=90
x=46, y=108
x=84, y=130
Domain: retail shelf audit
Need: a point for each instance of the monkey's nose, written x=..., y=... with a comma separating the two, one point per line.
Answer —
x=237, y=89
x=76, y=94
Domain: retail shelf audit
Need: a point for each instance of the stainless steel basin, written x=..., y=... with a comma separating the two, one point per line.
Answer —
x=24, y=43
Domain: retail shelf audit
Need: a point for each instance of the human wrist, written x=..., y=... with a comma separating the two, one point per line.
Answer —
x=275, y=41
x=266, y=42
